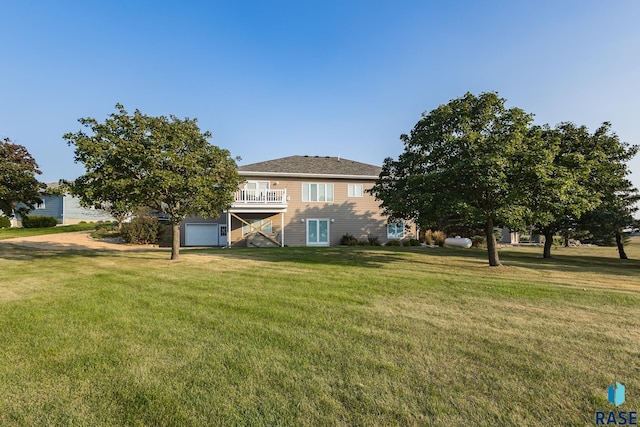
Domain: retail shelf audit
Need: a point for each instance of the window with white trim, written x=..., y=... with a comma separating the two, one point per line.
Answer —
x=395, y=231
x=354, y=190
x=256, y=185
x=318, y=232
x=312, y=192
x=255, y=191
x=40, y=205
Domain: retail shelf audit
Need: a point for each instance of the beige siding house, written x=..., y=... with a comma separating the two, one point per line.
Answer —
x=298, y=201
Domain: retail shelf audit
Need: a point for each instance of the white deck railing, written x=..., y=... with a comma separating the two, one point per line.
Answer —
x=261, y=197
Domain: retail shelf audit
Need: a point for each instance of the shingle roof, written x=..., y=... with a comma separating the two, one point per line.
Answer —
x=313, y=165
x=53, y=185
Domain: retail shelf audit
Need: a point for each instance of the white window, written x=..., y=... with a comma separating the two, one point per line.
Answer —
x=395, y=231
x=317, y=192
x=354, y=190
x=263, y=225
x=40, y=205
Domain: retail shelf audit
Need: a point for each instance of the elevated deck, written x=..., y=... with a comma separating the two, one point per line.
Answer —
x=259, y=201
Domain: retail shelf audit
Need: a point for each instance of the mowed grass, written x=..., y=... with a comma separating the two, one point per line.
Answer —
x=313, y=336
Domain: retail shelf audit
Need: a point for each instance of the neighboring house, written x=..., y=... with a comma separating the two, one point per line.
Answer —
x=510, y=237
x=66, y=209
x=298, y=201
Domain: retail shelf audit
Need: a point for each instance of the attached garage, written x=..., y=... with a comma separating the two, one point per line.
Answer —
x=201, y=235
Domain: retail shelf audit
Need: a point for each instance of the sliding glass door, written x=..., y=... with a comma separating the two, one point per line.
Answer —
x=317, y=232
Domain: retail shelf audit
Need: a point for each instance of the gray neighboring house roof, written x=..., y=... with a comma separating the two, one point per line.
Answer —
x=313, y=165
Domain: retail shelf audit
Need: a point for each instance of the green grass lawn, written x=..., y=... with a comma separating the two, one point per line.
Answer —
x=312, y=336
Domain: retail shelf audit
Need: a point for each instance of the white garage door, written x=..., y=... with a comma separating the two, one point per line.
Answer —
x=201, y=235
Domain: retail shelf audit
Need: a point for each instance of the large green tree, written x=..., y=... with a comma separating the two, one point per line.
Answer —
x=564, y=193
x=164, y=163
x=589, y=173
x=18, y=183
x=606, y=223
x=472, y=160
x=618, y=197
x=109, y=182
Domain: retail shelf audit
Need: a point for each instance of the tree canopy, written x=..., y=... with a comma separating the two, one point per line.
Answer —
x=164, y=163
x=565, y=193
x=589, y=180
x=18, y=183
x=608, y=179
x=468, y=160
x=473, y=162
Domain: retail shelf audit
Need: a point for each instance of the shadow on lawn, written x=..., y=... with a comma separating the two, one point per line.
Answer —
x=335, y=255
x=573, y=263
x=15, y=252
x=562, y=262
x=371, y=257
x=25, y=252
x=376, y=256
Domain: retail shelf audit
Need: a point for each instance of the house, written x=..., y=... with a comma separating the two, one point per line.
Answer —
x=298, y=201
x=509, y=236
x=65, y=209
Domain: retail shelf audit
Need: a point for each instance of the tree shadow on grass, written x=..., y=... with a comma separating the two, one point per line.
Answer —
x=376, y=256
x=25, y=252
x=573, y=263
x=560, y=262
x=352, y=256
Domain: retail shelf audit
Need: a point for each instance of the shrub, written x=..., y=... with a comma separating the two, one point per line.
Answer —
x=105, y=229
x=4, y=222
x=438, y=238
x=414, y=242
x=363, y=242
x=393, y=243
x=348, y=240
x=39, y=221
x=373, y=240
x=405, y=242
x=141, y=230
x=428, y=237
x=478, y=241
x=166, y=235
x=434, y=238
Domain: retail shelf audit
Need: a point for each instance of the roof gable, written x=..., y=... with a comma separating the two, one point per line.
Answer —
x=305, y=165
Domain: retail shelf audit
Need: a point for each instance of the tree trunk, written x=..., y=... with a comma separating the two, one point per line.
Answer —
x=620, y=245
x=175, y=241
x=492, y=247
x=548, y=242
x=120, y=220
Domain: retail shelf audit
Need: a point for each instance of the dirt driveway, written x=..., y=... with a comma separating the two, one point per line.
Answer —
x=79, y=240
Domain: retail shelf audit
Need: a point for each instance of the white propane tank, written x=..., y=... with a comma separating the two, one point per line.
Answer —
x=458, y=242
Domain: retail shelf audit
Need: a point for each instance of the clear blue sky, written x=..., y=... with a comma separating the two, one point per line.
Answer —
x=340, y=78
